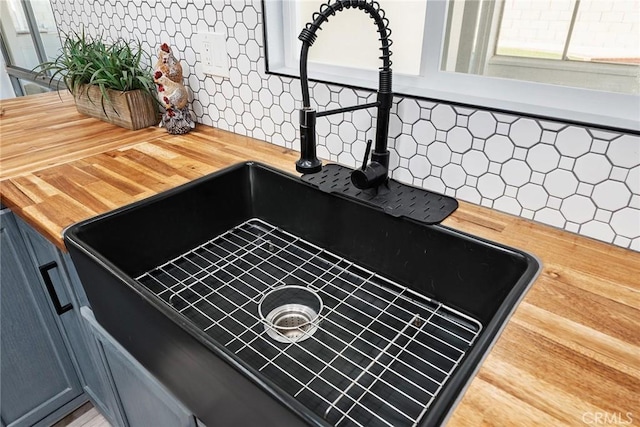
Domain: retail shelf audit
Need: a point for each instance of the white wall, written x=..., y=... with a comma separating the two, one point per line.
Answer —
x=6, y=90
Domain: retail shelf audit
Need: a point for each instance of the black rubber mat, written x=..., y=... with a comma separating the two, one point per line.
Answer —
x=395, y=198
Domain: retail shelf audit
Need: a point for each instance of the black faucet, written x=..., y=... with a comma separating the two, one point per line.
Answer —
x=377, y=171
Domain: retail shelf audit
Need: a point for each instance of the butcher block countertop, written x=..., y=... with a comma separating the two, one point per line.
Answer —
x=570, y=355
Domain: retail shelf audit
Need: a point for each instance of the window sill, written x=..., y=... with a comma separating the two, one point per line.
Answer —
x=550, y=102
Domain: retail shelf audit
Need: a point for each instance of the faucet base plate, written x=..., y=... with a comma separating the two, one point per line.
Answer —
x=393, y=197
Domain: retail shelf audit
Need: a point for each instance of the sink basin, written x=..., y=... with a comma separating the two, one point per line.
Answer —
x=257, y=299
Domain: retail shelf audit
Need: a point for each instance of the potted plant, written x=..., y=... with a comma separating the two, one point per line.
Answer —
x=108, y=81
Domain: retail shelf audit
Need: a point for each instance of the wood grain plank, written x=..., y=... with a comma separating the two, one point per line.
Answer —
x=34, y=188
x=75, y=190
x=488, y=407
x=590, y=380
x=12, y=196
x=109, y=177
x=187, y=166
x=627, y=293
x=50, y=132
x=563, y=406
x=589, y=342
x=166, y=168
x=126, y=170
x=587, y=308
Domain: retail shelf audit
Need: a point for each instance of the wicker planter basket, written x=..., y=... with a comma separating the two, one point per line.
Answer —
x=132, y=109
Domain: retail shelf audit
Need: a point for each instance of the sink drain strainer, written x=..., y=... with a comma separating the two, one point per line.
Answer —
x=292, y=313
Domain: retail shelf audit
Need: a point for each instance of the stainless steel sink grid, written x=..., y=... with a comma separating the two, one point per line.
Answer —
x=381, y=352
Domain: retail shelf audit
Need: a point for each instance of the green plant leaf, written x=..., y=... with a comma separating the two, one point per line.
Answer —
x=83, y=59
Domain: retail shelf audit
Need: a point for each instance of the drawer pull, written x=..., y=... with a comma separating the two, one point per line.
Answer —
x=46, y=276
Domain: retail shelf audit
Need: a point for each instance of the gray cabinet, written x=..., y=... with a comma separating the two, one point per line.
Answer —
x=60, y=275
x=53, y=358
x=37, y=374
x=143, y=400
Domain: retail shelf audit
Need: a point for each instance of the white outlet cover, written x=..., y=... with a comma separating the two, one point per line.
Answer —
x=212, y=48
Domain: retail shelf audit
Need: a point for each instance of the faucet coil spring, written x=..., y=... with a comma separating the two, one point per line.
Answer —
x=308, y=34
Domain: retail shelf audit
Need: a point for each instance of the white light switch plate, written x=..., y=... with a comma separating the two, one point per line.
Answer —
x=212, y=48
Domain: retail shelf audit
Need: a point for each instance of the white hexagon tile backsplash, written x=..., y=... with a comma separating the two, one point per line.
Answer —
x=581, y=179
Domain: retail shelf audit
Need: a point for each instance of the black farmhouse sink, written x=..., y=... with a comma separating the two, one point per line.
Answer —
x=258, y=299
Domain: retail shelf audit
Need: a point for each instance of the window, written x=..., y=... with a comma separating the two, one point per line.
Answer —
x=563, y=42
x=18, y=18
x=28, y=37
x=564, y=59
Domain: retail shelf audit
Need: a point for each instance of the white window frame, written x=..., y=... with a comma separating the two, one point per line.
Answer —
x=592, y=107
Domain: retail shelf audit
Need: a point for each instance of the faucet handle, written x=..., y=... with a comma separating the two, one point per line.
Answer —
x=369, y=175
x=366, y=154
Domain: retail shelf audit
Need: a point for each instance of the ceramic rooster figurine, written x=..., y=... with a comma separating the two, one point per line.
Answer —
x=171, y=93
x=169, y=64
